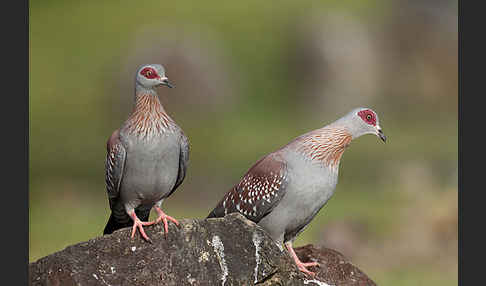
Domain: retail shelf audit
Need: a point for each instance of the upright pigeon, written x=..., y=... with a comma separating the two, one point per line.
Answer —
x=146, y=158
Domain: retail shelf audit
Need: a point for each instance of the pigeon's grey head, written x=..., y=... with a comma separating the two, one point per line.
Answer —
x=150, y=76
x=361, y=121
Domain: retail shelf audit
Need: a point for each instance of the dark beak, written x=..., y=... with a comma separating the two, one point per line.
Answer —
x=166, y=82
x=381, y=135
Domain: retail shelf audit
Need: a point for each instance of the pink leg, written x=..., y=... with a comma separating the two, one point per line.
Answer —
x=301, y=265
x=163, y=217
x=137, y=223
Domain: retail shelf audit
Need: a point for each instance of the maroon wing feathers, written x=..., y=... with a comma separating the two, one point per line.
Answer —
x=258, y=192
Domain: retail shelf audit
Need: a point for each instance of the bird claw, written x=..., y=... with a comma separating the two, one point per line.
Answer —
x=163, y=217
x=137, y=223
x=308, y=264
x=303, y=267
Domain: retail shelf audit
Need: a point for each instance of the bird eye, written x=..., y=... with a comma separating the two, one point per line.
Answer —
x=368, y=117
x=149, y=73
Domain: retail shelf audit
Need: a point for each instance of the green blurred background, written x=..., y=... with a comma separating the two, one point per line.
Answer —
x=251, y=76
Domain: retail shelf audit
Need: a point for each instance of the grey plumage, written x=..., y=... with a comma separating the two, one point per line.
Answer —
x=285, y=189
x=146, y=159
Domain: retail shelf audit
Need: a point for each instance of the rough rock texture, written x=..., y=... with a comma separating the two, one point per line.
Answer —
x=229, y=251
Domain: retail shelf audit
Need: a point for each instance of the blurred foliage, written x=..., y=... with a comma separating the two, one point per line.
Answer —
x=78, y=50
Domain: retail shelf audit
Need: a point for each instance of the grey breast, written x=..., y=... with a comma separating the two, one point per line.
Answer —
x=311, y=186
x=151, y=168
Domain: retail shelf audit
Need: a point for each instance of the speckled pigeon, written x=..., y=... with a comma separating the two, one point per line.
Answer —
x=146, y=158
x=284, y=190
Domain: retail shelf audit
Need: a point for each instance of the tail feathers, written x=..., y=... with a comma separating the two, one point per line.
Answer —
x=143, y=214
x=114, y=224
x=117, y=223
x=215, y=213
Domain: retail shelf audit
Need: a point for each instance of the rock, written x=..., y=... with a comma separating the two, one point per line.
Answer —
x=334, y=268
x=220, y=251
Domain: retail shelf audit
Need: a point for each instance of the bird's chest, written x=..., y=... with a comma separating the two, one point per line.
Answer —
x=312, y=187
x=151, y=167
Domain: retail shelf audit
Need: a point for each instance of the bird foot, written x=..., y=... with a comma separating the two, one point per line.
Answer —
x=163, y=217
x=137, y=223
x=302, y=267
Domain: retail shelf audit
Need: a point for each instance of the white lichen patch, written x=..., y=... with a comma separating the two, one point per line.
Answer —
x=219, y=250
x=101, y=276
x=204, y=256
x=190, y=279
x=320, y=283
x=134, y=248
x=256, y=241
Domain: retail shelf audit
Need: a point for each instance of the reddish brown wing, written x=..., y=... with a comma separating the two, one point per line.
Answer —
x=114, y=164
x=258, y=192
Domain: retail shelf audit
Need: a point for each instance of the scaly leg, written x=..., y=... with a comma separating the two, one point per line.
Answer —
x=137, y=223
x=163, y=217
x=301, y=265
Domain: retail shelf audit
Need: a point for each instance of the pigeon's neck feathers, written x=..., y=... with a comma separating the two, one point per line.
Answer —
x=328, y=143
x=325, y=145
x=143, y=90
x=352, y=123
x=148, y=117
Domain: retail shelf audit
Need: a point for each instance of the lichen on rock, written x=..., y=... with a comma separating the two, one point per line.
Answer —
x=218, y=251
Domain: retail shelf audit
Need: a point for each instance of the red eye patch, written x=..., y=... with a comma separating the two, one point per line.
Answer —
x=149, y=73
x=368, y=116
